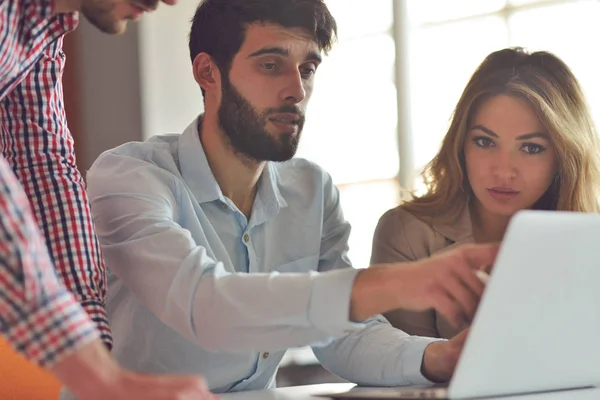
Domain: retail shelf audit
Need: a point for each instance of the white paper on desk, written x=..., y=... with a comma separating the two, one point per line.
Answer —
x=412, y=392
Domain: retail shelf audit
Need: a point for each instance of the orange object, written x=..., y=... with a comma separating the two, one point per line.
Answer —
x=22, y=380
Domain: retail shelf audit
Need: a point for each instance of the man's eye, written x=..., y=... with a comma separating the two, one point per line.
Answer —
x=269, y=66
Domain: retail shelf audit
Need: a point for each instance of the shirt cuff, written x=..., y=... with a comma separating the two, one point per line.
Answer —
x=51, y=332
x=412, y=360
x=97, y=312
x=329, y=308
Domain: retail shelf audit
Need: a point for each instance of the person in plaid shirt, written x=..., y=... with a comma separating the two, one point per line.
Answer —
x=39, y=317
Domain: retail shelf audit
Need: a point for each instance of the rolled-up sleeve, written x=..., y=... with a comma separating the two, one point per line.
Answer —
x=37, y=144
x=39, y=318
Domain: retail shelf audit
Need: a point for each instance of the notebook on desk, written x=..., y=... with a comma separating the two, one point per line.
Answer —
x=537, y=328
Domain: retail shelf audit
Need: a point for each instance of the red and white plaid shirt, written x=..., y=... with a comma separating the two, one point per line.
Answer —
x=39, y=317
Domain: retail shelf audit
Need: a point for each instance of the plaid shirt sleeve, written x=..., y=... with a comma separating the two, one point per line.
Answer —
x=38, y=316
x=38, y=146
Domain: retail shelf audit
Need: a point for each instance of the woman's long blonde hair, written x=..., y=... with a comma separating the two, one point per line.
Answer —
x=549, y=86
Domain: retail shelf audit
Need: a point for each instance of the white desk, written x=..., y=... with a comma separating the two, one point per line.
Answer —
x=306, y=392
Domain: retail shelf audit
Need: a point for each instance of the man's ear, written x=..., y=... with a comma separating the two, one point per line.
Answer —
x=206, y=72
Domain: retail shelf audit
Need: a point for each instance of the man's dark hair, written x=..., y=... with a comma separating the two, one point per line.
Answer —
x=219, y=26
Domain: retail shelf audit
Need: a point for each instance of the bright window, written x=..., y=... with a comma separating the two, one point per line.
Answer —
x=450, y=38
x=352, y=125
x=352, y=116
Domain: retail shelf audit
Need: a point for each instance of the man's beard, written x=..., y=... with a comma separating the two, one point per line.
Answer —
x=247, y=132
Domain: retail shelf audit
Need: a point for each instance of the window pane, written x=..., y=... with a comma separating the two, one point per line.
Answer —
x=442, y=60
x=351, y=119
x=363, y=204
x=565, y=30
x=357, y=18
x=427, y=11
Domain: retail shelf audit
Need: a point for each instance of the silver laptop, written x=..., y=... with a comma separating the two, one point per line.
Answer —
x=537, y=328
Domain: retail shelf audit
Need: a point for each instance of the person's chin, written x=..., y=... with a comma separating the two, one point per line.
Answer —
x=281, y=157
x=502, y=209
x=113, y=27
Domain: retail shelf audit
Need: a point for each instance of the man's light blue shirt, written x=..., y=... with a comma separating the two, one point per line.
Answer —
x=197, y=288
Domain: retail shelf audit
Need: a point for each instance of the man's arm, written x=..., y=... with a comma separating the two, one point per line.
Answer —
x=42, y=321
x=39, y=318
x=378, y=354
x=135, y=206
x=38, y=146
x=447, y=283
x=91, y=374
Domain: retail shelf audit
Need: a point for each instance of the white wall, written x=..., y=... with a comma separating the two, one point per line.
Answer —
x=170, y=96
x=137, y=85
x=109, y=90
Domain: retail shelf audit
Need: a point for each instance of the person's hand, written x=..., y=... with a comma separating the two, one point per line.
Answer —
x=92, y=374
x=447, y=282
x=129, y=385
x=440, y=358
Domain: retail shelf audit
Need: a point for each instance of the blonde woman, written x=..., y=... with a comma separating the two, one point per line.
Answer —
x=521, y=137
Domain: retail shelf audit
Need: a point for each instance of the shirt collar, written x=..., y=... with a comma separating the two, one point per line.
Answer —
x=68, y=21
x=199, y=177
x=268, y=199
x=457, y=229
x=194, y=166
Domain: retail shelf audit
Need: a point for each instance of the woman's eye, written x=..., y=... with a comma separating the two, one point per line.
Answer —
x=483, y=141
x=532, y=148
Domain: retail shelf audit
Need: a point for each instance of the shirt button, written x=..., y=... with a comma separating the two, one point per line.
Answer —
x=246, y=238
x=266, y=354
